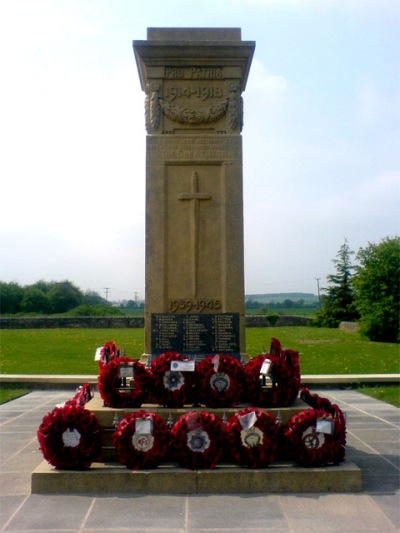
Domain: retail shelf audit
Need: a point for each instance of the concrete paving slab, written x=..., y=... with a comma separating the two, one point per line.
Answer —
x=48, y=514
x=148, y=513
x=330, y=512
x=228, y=511
x=376, y=508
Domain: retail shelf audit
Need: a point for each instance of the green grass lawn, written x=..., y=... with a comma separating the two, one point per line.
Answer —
x=10, y=392
x=386, y=393
x=322, y=351
x=71, y=351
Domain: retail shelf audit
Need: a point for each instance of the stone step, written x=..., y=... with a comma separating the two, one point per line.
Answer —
x=104, y=478
x=106, y=415
x=110, y=477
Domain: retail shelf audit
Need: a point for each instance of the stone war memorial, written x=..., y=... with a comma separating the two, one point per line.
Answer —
x=193, y=80
x=194, y=413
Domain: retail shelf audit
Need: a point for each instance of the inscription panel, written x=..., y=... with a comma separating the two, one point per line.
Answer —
x=196, y=148
x=193, y=73
x=195, y=335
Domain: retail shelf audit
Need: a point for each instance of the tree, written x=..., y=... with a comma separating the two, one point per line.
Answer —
x=35, y=301
x=64, y=296
x=94, y=298
x=338, y=302
x=11, y=295
x=377, y=290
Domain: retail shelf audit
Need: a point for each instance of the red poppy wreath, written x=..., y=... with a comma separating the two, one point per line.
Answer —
x=317, y=402
x=313, y=438
x=273, y=380
x=124, y=382
x=70, y=438
x=220, y=381
x=251, y=435
x=141, y=440
x=83, y=395
x=197, y=440
x=172, y=387
x=108, y=352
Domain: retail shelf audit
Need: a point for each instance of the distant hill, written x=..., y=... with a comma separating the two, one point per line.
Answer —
x=281, y=297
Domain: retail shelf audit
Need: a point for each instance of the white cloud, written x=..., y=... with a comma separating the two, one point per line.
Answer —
x=271, y=86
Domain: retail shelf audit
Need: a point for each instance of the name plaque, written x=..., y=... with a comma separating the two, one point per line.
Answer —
x=195, y=335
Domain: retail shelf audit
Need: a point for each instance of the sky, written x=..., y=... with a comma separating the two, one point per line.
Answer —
x=321, y=136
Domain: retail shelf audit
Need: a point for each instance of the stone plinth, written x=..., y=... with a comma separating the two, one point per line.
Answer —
x=224, y=479
x=110, y=477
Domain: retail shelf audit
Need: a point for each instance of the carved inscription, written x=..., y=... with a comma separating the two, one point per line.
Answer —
x=195, y=335
x=194, y=304
x=194, y=149
x=193, y=73
x=198, y=91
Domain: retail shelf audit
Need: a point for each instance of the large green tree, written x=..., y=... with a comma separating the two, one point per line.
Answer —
x=338, y=300
x=377, y=290
x=64, y=296
x=35, y=301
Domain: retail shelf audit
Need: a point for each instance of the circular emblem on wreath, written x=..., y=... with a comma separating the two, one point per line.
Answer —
x=252, y=437
x=71, y=438
x=312, y=440
x=198, y=440
x=173, y=380
x=142, y=442
x=220, y=381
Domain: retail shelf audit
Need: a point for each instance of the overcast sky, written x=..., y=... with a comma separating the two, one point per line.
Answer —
x=321, y=136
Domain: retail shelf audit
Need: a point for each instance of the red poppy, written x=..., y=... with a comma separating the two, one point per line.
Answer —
x=70, y=437
x=171, y=388
x=273, y=380
x=251, y=435
x=314, y=438
x=197, y=440
x=141, y=440
x=124, y=382
x=108, y=352
x=220, y=380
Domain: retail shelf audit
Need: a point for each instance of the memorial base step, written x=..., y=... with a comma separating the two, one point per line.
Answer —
x=108, y=417
x=103, y=478
x=110, y=477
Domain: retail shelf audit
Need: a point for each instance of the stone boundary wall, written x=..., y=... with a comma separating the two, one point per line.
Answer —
x=72, y=322
x=261, y=321
x=252, y=321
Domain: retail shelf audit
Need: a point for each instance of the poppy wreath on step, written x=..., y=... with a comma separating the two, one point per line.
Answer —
x=108, y=352
x=197, y=440
x=141, y=440
x=252, y=435
x=273, y=379
x=70, y=438
x=313, y=438
x=317, y=402
x=83, y=395
x=171, y=388
x=220, y=381
x=123, y=382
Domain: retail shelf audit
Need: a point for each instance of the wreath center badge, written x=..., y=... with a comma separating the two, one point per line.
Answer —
x=250, y=435
x=311, y=439
x=198, y=440
x=173, y=380
x=220, y=382
x=71, y=438
x=142, y=439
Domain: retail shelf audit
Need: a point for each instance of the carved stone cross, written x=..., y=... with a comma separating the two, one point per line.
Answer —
x=194, y=197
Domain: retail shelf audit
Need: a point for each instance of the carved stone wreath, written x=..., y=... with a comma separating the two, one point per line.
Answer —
x=203, y=115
